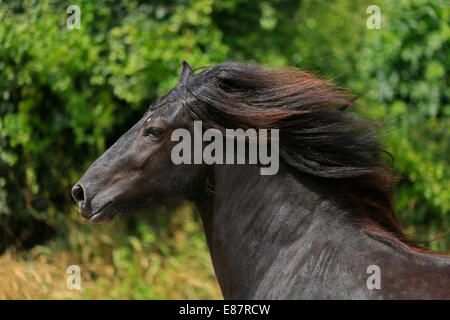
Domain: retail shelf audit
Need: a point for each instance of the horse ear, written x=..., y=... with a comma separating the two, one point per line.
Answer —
x=186, y=71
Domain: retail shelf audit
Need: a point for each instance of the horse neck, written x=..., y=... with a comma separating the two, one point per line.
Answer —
x=259, y=228
x=284, y=236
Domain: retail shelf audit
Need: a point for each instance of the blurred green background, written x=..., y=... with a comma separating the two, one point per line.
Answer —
x=66, y=95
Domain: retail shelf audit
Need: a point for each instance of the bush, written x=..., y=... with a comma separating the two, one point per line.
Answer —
x=67, y=94
x=407, y=64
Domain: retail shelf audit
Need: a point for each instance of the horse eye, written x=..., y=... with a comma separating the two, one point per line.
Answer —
x=153, y=132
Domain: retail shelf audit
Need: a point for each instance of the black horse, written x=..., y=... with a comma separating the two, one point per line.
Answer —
x=322, y=227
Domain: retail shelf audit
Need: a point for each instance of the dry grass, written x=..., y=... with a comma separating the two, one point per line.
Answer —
x=116, y=265
x=38, y=278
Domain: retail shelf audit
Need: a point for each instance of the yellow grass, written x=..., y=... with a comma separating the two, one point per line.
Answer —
x=116, y=265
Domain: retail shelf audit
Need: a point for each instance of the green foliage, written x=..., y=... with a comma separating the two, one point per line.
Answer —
x=164, y=257
x=65, y=92
x=407, y=64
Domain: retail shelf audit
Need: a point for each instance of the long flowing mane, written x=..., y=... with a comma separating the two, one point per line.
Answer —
x=318, y=136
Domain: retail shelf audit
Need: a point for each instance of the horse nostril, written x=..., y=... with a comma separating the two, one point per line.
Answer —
x=78, y=193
